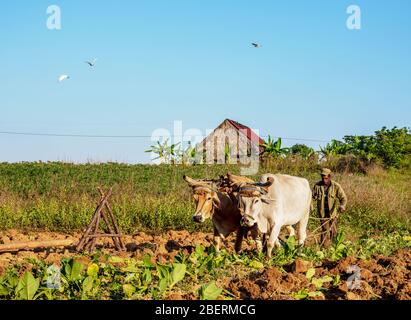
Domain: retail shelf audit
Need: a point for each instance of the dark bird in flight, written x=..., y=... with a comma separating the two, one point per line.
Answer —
x=91, y=63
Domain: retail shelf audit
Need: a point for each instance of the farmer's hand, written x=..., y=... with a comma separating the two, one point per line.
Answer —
x=342, y=209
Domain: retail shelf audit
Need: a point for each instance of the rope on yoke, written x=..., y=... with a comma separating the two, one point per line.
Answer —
x=314, y=234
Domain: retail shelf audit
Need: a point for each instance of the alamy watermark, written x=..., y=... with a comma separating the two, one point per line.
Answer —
x=53, y=277
x=354, y=280
x=224, y=145
x=53, y=21
x=354, y=19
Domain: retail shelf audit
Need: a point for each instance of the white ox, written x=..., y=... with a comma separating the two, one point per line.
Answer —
x=276, y=201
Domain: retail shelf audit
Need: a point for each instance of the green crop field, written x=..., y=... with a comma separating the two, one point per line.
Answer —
x=61, y=197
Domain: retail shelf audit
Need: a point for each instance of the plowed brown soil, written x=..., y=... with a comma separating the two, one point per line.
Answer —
x=379, y=278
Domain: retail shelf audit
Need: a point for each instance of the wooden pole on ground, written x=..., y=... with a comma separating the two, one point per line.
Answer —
x=16, y=246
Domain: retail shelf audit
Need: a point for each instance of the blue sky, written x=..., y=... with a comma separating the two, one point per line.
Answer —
x=190, y=60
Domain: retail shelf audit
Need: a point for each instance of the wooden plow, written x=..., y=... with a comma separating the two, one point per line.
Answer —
x=103, y=211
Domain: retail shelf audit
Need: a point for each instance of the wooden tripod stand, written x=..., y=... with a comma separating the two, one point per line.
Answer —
x=88, y=240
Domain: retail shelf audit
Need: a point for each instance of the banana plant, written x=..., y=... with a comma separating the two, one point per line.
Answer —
x=173, y=153
x=335, y=147
x=160, y=149
x=189, y=155
x=274, y=148
x=227, y=154
x=165, y=153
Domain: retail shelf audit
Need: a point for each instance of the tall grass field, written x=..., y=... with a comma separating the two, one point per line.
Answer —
x=62, y=197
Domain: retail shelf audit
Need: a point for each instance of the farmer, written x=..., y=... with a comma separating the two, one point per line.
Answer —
x=325, y=193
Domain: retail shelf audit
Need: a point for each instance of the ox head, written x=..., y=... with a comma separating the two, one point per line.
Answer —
x=251, y=197
x=206, y=198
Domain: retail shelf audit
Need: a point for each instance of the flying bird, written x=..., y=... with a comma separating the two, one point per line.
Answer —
x=63, y=77
x=256, y=45
x=91, y=63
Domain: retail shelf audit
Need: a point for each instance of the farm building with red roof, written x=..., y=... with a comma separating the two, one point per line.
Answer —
x=229, y=142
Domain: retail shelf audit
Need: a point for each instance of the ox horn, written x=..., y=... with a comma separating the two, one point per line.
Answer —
x=265, y=185
x=194, y=183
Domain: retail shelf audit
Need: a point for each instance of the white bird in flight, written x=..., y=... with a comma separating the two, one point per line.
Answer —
x=256, y=45
x=91, y=63
x=63, y=77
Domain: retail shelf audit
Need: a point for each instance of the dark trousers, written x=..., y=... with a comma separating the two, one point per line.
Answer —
x=329, y=230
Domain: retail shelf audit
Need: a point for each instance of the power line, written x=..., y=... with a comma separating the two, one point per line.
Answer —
x=301, y=139
x=72, y=135
x=69, y=135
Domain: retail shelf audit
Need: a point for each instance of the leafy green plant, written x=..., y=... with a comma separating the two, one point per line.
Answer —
x=335, y=147
x=177, y=274
x=256, y=264
x=274, y=148
x=190, y=155
x=8, y=284
x=340, y=248
x=129, y=290
x=227, y=153
x=287, y=252
x=209, y=291
x=170, y=275
x=305, y=294
x=318, y=284
x=72, y=270
x=165, y=152
x=302, y=150
x=92, y=270
x=3, y=291
x=160, y=149
x=27, y=287
x=361, y=146
x=393, y=146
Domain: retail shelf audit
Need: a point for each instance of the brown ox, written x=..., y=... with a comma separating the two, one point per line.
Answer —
x=222, y=208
